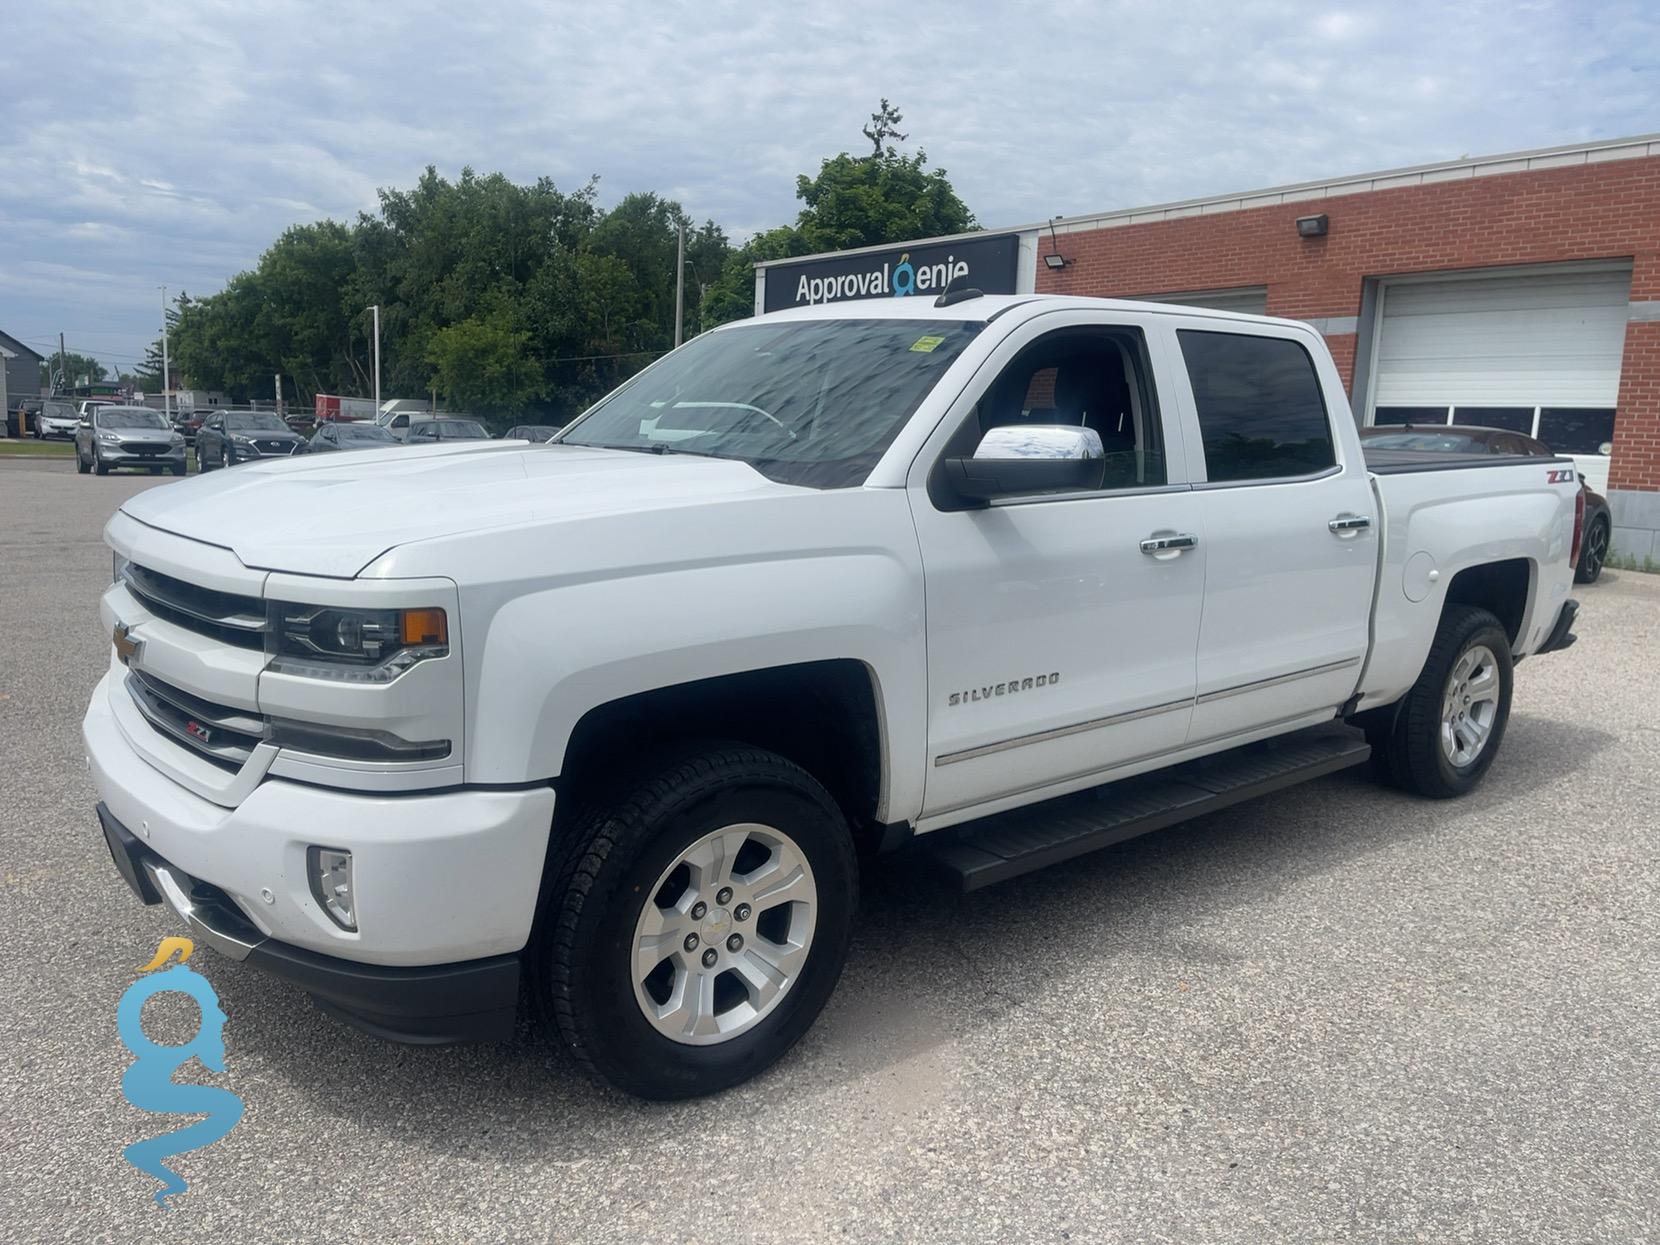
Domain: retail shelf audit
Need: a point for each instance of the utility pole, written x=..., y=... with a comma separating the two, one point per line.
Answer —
x=63, y=364
x=680, y=282
x=376, y=310
x=279, y=392
x=166, y=370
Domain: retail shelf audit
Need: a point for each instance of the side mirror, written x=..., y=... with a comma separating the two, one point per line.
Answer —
x=1038, y=458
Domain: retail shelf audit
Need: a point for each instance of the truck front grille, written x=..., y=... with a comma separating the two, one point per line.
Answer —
x=224, y=735
x=225, y=616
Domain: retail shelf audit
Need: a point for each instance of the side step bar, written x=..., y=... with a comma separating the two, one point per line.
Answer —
x=1008, y=844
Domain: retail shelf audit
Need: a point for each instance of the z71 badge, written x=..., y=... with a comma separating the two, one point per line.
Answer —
x=985, y=692
x=1560, y=475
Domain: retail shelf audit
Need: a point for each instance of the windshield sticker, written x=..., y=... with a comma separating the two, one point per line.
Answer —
x=923, y=345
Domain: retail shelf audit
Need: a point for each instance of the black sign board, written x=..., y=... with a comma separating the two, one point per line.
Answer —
x=987, y=264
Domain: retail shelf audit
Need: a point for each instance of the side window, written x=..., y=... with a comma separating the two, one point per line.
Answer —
x=1091, y=377
x=402, y=421
x=1261, y=413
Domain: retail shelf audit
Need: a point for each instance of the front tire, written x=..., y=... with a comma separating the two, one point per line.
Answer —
x=1445, y=732
x=695, y=921
x=99, y=466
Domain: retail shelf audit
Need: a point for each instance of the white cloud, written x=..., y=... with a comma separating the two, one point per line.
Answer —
x=182, y=165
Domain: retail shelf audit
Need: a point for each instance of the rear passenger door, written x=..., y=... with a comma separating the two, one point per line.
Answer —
x=1292, y=552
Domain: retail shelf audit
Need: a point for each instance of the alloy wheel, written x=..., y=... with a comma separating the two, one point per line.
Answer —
x=1470, y=705
x=724, y=934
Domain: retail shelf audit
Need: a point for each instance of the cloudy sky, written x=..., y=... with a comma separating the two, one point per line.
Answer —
x=146, y=142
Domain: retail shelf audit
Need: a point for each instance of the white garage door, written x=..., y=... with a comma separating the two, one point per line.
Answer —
x=1251, y=300
x=1537, y=353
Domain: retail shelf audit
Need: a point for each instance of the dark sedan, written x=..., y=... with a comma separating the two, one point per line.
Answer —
x=347, y=436
x=230, y=437
x=426, y=431
x=1466, y=439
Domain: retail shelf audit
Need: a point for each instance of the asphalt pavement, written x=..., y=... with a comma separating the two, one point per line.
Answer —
x=1338, y=1013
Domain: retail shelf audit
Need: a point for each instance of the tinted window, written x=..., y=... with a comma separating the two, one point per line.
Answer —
x=423, y=432
x=364, y=433
x=1576, y=430
x=1427, y=439
x=811, y=402
x=1396, y=415
x=1261, y=412
x=462, y=430
x=1514, y=418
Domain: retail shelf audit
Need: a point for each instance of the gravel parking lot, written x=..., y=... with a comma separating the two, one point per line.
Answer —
x=1335, y=1014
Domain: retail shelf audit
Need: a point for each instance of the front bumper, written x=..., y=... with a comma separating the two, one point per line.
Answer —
x=115, y=456
x=56, y=427
x=439, y=877
x=475, y=1001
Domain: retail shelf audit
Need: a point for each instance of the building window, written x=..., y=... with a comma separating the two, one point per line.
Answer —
x=1576, y=430
x=1261, y=413
x=1511, y=418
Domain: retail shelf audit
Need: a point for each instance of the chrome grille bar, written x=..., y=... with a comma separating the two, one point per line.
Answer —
x=222, y=734
x=236, y=619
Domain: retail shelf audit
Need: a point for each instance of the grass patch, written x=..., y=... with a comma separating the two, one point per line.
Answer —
x=37, y=449
x=1630, y=562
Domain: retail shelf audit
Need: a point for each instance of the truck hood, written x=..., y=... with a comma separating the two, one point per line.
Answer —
x=334, y=514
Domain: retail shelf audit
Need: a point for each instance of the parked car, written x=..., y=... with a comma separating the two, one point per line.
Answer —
x=351, y=436
x=1469, y=439
x=611, y=722
x=127, y=436
x=532, y=432
x=23, y=416
x=59, y=418
x=230, y=437
x=446, y=428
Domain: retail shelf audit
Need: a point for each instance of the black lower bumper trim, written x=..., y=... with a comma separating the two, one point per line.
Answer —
x=1562, y=635
x=422, y=1005
x=429, y=1005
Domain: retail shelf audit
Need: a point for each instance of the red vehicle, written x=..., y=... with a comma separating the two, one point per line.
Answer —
x=331, y=406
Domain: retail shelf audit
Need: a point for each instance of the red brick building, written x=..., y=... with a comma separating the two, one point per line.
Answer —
x=1521, y=291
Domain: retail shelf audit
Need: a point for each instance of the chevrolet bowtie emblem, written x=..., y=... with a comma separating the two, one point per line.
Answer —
x=126, y=648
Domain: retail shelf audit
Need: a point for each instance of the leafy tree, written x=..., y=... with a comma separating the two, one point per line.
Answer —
x=884, y=124
x=78, y=368
x=484, y=364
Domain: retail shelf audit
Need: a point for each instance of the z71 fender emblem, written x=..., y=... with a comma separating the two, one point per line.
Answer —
x=1561, y=475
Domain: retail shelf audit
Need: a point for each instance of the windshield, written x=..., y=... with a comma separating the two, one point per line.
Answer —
x=813, y=402
x=254, y=421
x=364, y=432
x=462, y=430
x=59, y=410
x=129, y=417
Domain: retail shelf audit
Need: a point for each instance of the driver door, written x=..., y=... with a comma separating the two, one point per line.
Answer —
x=1062, y=636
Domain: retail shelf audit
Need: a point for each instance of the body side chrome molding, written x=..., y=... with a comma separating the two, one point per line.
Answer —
x=1060, y=732
x=1262, y=684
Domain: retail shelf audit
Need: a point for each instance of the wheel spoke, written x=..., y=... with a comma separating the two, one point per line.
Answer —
x=653, y=949
x=711, y=860
x=1484, y=684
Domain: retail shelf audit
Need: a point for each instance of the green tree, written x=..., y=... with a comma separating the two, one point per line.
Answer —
x=484, y=364
x=78, y=369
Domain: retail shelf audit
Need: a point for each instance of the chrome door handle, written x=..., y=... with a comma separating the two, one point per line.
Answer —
x=1175, y=543
x=1344, y=523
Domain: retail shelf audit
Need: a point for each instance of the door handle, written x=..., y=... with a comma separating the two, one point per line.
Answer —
x=1343, y=524
x=1169, y=544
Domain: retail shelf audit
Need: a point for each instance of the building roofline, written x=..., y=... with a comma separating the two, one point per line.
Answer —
x=38, y=357
x=1538, y=158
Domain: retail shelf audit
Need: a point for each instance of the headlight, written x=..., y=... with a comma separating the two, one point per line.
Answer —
x=110, y=437
x=245, y=441
x=357, y=646
x=178, y=438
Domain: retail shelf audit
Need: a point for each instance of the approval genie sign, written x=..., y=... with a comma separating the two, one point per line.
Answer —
x=987, y=263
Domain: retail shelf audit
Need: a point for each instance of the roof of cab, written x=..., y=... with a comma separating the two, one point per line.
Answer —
x=989, y=306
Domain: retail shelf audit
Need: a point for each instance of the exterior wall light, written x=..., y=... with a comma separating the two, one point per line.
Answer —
x=1313, y=226
x=1055, y=261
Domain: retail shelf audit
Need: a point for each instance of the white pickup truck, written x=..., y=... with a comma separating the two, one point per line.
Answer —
x=998, y=579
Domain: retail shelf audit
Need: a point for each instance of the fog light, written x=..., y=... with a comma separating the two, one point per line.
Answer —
x=330, y=871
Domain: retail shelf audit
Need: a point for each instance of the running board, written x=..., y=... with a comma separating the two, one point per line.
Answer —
x=1006, y=845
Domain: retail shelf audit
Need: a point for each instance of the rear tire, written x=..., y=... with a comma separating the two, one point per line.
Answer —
x=179, y=470
x=1445, y=732
x=81, y=464
x=1594, y=554
x=623, y=885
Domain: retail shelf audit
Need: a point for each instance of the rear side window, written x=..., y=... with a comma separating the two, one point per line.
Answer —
x=1261, y=413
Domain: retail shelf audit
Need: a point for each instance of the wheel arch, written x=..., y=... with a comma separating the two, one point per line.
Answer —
x=825, y=716
x=1504, y=588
